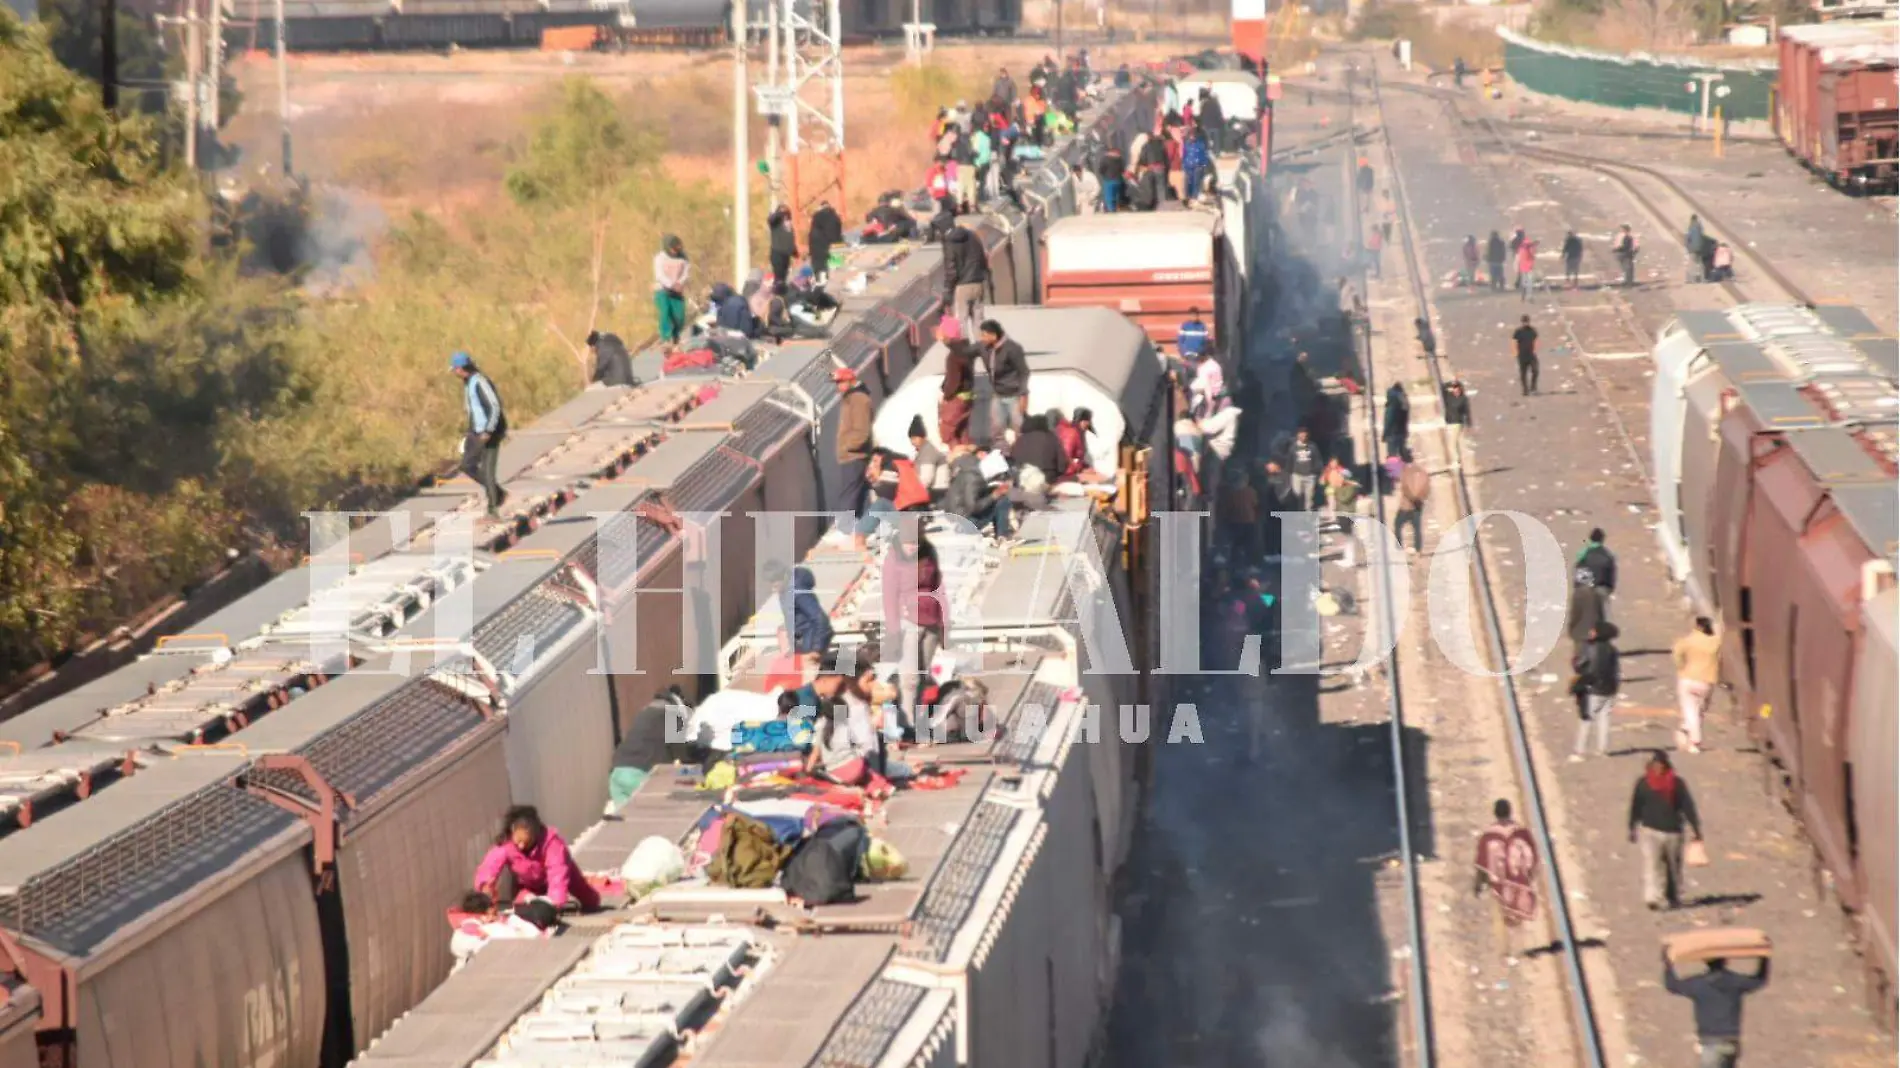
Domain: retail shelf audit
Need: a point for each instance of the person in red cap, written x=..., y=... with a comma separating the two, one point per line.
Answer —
x=854, y=443
x=959, y=384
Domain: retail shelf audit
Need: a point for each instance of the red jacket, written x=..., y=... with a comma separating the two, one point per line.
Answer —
x=1074, y=450
x=911, y=586
x=911, y=491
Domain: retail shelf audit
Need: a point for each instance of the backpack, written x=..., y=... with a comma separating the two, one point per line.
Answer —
x=749, y=854
x=824, y=868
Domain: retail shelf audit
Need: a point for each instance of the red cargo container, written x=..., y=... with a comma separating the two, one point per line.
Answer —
x=1152, y=267
x=1837, y=105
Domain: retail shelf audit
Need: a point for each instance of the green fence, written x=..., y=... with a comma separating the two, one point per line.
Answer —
x=1636, y=80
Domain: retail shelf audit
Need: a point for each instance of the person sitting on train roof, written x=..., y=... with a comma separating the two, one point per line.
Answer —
x=731, y=311
x=477, y=922
x=1039, y=446
x=536, y=857
x=844, y=743
x=933, y=470
x=613, y=366
x=975, y=496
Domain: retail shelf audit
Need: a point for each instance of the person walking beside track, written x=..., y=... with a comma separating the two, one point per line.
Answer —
x=1507, y=864
x=1396, y=426
x=1717, y=994
x=1599, y=676
x=671, y=270
x=1457, y=407
x=1660, y=807
x=1626, y=250
x=1494, y=260
x=487, y=426
x=1415, y=489
x=1525, y=337
x=1573, y=258
x=1697, y=656
x=1596, y=568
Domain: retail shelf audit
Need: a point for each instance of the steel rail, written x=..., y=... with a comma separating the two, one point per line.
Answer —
x=1418, y=984
x=1559, y=901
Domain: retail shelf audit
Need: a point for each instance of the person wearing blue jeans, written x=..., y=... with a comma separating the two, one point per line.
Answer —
x=1111, y=194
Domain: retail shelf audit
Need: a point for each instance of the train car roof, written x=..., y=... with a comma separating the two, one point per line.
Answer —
x=1078, y=357
x=87, y=874
x=1137, y=225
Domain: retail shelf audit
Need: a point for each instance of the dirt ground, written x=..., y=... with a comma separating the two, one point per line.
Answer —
x=1572, y=456
x=435, y=131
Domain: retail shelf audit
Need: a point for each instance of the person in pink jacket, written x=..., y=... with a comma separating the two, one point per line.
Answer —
x=537, y=856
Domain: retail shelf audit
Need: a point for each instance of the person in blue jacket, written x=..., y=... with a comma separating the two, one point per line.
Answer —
x=487, y=426
x=1191, y=339
x=1196, y=163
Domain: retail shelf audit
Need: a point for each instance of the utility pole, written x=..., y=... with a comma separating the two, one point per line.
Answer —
x=741, y=206
x=775, y=177
x=109, y=54
x=216, y=57
x=194, y=82
x=283, y=87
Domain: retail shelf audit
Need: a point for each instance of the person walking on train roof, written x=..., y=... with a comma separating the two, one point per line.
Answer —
x=854, y=447
x=1111, y=168
x=537, y=858
x=1212, y=121
x=825, y=233
x=1494, y=260
x=1191, y=339
x=487, y=426
x=1008, y=368
x=1626, y=251
x=959, y=384
x=1457, y=405
x=1468, y=258
x=1197, y=164
x=1717, y=995
x=966, y=273
x=983, y=159
x=1395, y=428
x=671, y=271
x=1661, y=808
x=1507, y=866
x=1573, y=258
x=1525, y=338
x=1697, y=658
x=783, y=244
x=1599, y=676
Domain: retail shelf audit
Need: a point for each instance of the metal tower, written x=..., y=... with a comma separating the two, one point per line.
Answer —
x=804, y=94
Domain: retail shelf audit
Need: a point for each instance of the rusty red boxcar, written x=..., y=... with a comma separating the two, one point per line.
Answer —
x=1836, y=101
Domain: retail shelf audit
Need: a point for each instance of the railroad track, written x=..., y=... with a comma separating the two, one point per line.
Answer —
x=1418, y=986
x=1577, y=986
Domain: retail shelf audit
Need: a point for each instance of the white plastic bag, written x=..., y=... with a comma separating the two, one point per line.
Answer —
x=654, y=863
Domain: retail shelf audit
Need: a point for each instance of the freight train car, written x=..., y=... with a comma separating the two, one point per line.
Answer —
x=241, y=844
x=1023, y=883
x=1837, y=101
x=1775, y=456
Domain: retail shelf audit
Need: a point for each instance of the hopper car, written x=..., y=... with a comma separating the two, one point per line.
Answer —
x=236, y=850
x=1774, y=447
x=1837, y=101
x=929, y=970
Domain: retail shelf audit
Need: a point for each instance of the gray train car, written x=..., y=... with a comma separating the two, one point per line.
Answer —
x=400, y=770
x=169, y=921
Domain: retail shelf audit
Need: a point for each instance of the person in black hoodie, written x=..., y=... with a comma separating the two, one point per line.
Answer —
x=1039, y=447
x=1494, y=260
x=1717, y=994
x=1599, y=677
x=1573, y=258
x=613, y=365
x=966, y=273
x=1212, y=121
x=784, y=242
x=1396, y=430
x=827, y=230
